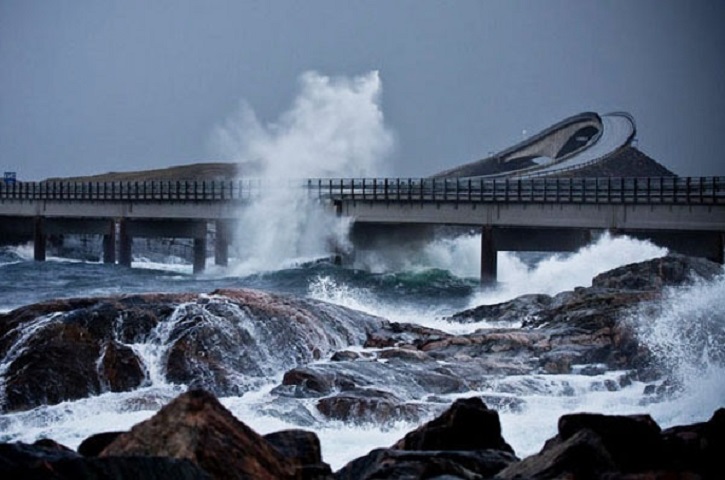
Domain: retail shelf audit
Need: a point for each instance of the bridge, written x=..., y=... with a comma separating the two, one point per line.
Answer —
x=537, y=214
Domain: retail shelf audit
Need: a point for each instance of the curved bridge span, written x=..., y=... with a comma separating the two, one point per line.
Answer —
x=572, y=144
x=685, y=214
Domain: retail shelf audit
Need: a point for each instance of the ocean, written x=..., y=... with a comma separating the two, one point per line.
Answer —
x=423, y=288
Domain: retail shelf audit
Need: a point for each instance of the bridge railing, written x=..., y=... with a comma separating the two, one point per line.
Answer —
x=133, y=191
x=649, y=190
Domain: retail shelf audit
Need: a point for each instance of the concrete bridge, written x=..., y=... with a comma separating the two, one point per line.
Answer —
x=536, y=214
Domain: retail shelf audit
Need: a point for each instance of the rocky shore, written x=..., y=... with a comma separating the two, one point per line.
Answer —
x=195, y=437
x=339, y=364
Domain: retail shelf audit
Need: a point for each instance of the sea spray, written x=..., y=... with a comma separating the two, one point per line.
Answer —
x=460, y=255
x=334, y=127
x=685, y=331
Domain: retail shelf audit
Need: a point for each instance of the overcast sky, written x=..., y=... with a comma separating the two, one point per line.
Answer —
x=94, y=86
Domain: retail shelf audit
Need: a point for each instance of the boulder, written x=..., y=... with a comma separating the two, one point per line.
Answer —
x=47, y=460
x=382, y=464
x=196, y=427
x=467, y=425
x=369, y=405
x=633, y=441
x=302, y=449
x=672, y=269
x=582, y=455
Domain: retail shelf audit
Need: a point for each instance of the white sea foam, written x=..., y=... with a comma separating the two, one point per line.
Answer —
x=334, y=127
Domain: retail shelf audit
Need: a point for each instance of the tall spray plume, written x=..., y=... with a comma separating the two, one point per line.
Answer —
x=334, y=128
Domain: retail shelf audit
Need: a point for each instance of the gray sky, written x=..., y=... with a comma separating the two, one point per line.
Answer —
x=94, y=86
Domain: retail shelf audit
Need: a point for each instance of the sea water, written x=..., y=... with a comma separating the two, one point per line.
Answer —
x=433, y=286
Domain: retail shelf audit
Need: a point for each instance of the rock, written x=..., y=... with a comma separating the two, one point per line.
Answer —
x=303, y=450
x=697, y=447
x=467, y=425
x=43, y=461
x=94, y=445
x=632, y=441
x=121, y=369
x=196, y=427
x=70, y=349
x=628, y=447
x=520, y=309
x=655, y=274
x=580, y=456
x=366, y=405
x=393, y=464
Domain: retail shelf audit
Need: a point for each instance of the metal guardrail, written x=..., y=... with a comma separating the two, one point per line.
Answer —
x=645, y=190
x=158, y=191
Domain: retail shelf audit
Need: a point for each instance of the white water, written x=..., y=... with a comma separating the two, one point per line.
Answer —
x=335, y=127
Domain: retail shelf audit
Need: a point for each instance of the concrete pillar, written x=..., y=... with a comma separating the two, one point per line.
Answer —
x=109, y=244
x=199, y=254
x=489, y=254
x=125, y=244
x=221, y=244
x=39, y=239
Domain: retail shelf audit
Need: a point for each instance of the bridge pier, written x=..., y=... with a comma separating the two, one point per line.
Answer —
x=489, y=257
x=199, y=254
x=109, y=243
x=221, y=243
x=125, y=243
x=39, y=239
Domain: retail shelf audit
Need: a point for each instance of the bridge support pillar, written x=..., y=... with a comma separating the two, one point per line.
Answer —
x=221, y=244
x=125, y=244
x=489, y=257
x=39, y=239
x=109, y=244
x=199, y=254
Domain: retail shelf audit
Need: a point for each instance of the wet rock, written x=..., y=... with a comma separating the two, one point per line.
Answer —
x=121, y=369
x=70, y=349
x=697, y=447
x=463, y=442
x=412, y=465
x=43, y=461
x=366, y=405
x=518, y=310
x=94, y=445
x=303, y=450
x=633, y=441
x=632, y=447
x=580, y=456
x=196, y=427
x=58, y=363
x=655, y=274
x=467, y=425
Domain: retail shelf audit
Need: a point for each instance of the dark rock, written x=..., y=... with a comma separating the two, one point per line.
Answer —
x=633, y=441
x=365, y=405
x=655, y=274
x=94, y=445
x=303, y=450
x=412, y=465
x=345, y=356
x=43, y=462
x=196, y=427
x=467, y=425
x=582, y=455
x=520, y=309
x=121, y=369
x=698, y=447
x=70, y=349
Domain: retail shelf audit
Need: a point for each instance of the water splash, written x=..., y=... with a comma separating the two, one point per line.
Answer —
x=686, y=333
x=334, y=127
